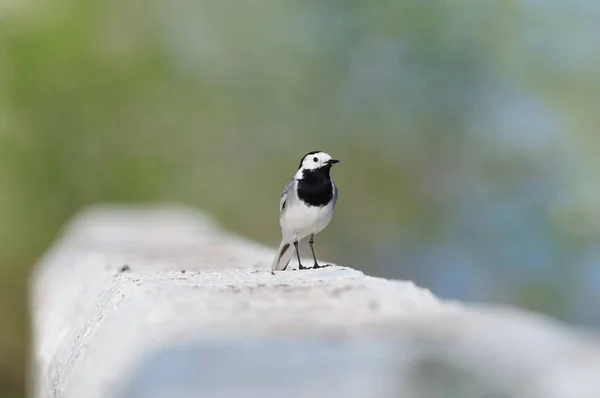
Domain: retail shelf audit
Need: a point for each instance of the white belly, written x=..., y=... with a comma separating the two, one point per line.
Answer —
x=301, y=221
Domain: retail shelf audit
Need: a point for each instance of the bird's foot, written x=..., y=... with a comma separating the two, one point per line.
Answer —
x=300, y=267
x=317, y=266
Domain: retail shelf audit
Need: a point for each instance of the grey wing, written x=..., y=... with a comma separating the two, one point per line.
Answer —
x=287, y=195
x=335, y=193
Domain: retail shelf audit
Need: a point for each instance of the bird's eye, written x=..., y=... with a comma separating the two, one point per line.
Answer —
x=315, y=159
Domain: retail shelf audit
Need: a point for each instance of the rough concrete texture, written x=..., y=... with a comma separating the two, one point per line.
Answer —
x=157, y=302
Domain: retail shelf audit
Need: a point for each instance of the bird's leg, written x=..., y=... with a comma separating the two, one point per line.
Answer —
x=300, y=266
x=311, y=242
x=312, y=249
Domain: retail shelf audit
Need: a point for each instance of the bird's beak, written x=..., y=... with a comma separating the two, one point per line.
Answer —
x=332, y=161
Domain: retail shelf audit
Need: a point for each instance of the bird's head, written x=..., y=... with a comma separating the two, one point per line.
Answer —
x=316, y=160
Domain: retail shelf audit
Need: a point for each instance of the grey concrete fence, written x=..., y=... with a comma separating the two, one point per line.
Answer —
x=159, y=302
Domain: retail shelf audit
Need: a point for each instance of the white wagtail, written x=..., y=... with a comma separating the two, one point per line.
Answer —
x=306, y=207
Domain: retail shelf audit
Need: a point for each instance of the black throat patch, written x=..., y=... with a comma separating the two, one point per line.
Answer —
x=315, y=187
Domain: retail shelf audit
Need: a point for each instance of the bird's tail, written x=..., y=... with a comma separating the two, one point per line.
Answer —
x=283, y=256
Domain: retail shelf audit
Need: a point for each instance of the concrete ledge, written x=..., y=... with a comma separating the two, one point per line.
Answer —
x=160, y=302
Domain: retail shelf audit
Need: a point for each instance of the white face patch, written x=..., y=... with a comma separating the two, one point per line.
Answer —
x=315, y=160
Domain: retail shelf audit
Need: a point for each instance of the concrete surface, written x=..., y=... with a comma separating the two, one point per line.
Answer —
x=157, y=302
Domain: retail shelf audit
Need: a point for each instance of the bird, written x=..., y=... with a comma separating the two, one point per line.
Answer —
x=306, y=207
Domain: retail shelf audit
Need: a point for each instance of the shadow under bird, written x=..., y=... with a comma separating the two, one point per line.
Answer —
x=306, y=207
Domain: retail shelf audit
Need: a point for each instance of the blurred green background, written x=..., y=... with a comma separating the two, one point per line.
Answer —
x=467, y=130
